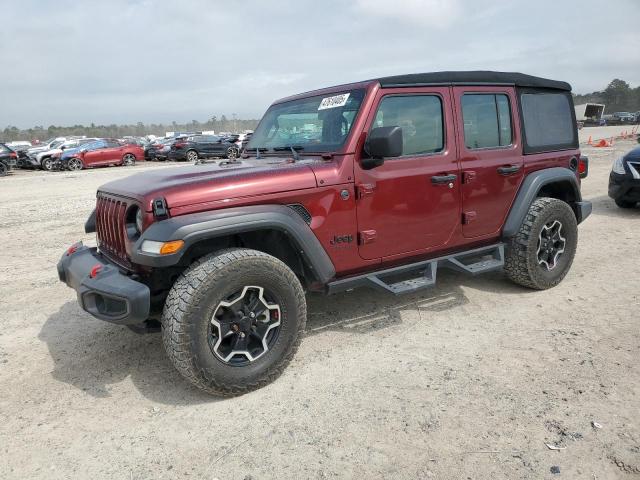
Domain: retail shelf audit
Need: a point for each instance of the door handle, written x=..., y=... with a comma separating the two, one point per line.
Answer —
x=439, y=179
x=508, y=170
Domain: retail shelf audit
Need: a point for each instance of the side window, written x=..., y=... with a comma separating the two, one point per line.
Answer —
x=548, y=121
x=421, y=120
x=487, y=120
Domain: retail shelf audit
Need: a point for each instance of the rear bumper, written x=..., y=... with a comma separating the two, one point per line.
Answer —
x=624, y=187
x=583, y=210
x=109, y=295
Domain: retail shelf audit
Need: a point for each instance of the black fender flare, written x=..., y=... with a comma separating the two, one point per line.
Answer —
x=195, y=227
x=529, y=190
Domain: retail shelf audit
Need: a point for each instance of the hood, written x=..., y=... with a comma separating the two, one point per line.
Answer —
x=44, y=148
x=212, y=182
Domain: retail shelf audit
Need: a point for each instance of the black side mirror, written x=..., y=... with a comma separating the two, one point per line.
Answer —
x=382, y=142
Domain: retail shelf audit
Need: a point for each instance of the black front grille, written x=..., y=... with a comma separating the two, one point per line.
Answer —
x=111, y=228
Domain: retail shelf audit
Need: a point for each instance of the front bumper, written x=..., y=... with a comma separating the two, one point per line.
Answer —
x=108, y=295
x=624, y=187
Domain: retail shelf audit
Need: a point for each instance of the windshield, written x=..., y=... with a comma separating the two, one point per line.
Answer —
x=313, y=124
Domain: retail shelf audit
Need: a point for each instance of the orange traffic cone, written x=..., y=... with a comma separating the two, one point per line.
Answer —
x=602, y=143
x=589, y=142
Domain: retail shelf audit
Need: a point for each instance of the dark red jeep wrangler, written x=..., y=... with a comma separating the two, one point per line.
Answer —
x=377, y=184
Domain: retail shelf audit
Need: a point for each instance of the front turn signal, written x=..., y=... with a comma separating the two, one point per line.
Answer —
x=171, y=247
x=161, y=248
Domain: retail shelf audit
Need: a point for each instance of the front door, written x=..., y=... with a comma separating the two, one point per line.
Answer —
x=490, y=156
x=410, y=204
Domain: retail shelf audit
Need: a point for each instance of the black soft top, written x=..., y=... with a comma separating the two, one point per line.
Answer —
x=478, y=77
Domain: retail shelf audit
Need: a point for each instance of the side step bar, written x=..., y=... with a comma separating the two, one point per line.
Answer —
x=423, y=274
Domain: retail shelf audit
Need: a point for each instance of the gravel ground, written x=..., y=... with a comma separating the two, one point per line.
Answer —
x=466, y=380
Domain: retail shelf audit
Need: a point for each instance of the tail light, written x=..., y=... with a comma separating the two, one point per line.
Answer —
x=13, y=155
x=583, y=167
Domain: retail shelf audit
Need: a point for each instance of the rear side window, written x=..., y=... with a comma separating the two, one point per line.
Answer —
x=421, y=120
x=487, y=120
x=548, y=122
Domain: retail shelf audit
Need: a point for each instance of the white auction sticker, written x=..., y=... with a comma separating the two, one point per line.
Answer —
x=334, y=102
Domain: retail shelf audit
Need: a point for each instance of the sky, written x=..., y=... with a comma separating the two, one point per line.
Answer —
x=123, y=61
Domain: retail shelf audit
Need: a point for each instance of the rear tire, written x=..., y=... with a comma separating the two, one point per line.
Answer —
x=4, y=170
x=540, y=255
x=624, y=203
x=192, y=156
x=199, y=320
x=47, y=164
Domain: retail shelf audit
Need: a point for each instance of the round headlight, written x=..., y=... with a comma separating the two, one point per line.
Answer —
x=139, y=220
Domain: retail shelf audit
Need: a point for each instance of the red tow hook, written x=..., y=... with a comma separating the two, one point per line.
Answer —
x=95, y=270
x=72, y=249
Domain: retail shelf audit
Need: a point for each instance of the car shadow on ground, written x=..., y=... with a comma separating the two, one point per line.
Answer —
x=604, y=205
x=94, y=356
x=376, y=310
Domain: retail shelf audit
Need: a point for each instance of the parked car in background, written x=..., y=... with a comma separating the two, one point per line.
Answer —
x=159, y=149
x=102, y=152
x=623, y=117
x=204, y=146
x=245, y=140
x=21, y=149
x=45, y=159
x=46, y=145
x=624, y=180
x=19, y=144
x=8, y=159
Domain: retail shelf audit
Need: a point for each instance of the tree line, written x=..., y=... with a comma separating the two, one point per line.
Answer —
x=617, y=97
x=222, y=124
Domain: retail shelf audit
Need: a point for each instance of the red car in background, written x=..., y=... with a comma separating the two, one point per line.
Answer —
x=100, y=153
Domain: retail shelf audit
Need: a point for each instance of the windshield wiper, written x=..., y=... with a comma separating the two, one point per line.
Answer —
x=294, y=150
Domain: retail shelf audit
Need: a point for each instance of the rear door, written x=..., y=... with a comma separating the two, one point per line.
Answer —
x=410, y=204
x=491, y=157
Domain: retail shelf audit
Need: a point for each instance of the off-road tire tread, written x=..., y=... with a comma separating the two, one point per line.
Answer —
x=190, y=289
x=516, y=255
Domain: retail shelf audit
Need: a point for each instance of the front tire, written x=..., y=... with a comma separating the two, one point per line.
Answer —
x=232, y=153
x=129, y=160
x=75, y=164
x=4, y=170
x=233, y=321
x=540, y=255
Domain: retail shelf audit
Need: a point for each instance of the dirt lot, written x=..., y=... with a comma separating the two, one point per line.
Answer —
x=467, y=380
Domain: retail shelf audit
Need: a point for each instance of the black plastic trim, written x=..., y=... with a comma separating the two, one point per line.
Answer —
x=479, y=77
x=90, y=224
x=529, y=191
x=111, y=295
x=195, y=227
